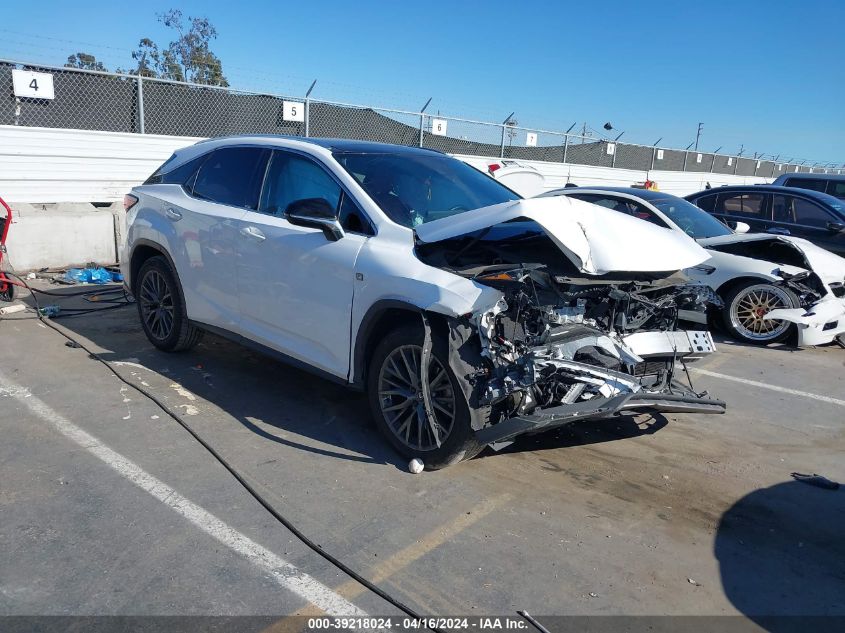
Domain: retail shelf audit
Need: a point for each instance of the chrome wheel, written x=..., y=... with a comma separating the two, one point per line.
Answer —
x=750, y=306
x=401, y=399
x=156, y=303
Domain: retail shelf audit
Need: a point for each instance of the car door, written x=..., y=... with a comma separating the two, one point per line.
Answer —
x=751, y=207
x=803, y=217
x=203, y=213
x=295, y=284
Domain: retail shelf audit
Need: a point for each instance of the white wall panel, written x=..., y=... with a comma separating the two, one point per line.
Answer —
x=52, y=165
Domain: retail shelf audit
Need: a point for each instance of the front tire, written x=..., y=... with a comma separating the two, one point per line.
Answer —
x=161, y=308
x=394, y=391
x=747, y=303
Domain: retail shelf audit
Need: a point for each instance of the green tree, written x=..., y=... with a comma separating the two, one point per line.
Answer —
x=188, y=58
x=85, y=62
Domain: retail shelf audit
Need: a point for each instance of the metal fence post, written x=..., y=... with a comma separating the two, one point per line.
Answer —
x=307, y=112
x=565, y=147
x=756, y=166
x=613, y=160
x=504, y=131
x=684, y=168
x=713, y=164
x=422, y=120
x=736, y=164
x=653, y=157
x=307, y=117
x=140, y=105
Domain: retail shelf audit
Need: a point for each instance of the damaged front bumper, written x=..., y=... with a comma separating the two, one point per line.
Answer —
x=598, y=409
x=647, y=385
x=821, y=323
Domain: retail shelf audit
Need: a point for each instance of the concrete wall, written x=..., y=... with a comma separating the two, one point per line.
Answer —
x=51, y=176
x=60, y=236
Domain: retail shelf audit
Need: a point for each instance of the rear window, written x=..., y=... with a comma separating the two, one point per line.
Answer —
x=807, y=183
x=166, y=175
x=232, y=176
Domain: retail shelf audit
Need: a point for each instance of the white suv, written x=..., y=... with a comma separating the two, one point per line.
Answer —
x=468, y=314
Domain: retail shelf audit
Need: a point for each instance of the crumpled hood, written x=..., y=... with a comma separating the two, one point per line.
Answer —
x=595, y=239
x=828, y=266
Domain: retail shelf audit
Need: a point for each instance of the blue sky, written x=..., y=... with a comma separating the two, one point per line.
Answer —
x=767, y=75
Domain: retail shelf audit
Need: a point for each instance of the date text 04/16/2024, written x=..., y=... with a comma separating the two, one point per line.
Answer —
x=372, y=623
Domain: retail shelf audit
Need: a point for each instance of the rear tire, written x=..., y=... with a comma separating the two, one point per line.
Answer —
x=746, y=302
x=394, y=393
x=161, y=308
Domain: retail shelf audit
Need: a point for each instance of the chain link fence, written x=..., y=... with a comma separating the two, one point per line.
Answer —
x=90, y=100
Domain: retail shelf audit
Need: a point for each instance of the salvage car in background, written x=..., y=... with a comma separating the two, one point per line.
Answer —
x=833, y=185
x=815, y=216
x=468, y=314
x=767, y=282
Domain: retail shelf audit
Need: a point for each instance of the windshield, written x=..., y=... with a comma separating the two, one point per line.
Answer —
x=416, y=188
x=693, y=221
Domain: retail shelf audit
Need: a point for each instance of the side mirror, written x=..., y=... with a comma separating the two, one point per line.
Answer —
x=316, y=213
x=741, y=228
x=835, y=227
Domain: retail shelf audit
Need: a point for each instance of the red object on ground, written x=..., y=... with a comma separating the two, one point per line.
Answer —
x=6, y=291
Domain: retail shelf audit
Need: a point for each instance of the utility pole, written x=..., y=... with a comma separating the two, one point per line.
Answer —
x=698, y=135
x=583, y=132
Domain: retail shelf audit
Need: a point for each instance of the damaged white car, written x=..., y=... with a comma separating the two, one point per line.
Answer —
x=770, y=284
x=470, y=316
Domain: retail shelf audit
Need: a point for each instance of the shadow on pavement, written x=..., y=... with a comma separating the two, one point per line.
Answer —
x=781, y=555
x=586, y=432
x=276, y=402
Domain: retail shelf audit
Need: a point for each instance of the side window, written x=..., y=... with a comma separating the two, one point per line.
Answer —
x=799, y=211
x=232, y=176
x=807, y=183
x=836, y=188
x=292, y=178
x=751, y=205
x=708, y=203
x=622, y=205
x=352, y=219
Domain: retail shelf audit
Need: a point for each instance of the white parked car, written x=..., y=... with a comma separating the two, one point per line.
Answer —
x=468, y=314
x=769, y=283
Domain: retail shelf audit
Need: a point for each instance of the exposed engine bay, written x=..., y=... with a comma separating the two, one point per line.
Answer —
x=560, y=345
x=814, y=276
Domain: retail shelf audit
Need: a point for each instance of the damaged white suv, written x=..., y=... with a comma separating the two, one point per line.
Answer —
x=469, y=315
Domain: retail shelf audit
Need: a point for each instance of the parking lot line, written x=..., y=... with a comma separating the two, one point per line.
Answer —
x=764, y=385
x=430, y=541
x=283, y=572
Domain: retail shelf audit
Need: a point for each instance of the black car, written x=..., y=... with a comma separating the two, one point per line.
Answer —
x=815, y=216
x=826, y=183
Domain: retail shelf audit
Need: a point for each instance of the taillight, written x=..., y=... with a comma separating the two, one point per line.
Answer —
x=129, y=201
x=494, y=167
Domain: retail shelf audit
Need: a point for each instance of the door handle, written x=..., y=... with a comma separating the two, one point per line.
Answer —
x=253, y=232
x=173, y=214
x=776, y=230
